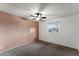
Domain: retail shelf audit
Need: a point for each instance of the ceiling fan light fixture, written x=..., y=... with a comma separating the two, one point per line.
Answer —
x=38, y=17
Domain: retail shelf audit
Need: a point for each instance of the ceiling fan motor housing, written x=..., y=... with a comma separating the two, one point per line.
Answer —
x=38, y=14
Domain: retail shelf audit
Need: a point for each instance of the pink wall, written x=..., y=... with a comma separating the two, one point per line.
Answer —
x=15, y=31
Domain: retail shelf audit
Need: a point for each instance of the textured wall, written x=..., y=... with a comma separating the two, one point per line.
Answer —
x=15, y=31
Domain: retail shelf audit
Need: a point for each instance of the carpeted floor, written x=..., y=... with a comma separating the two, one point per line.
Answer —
x=41, y=48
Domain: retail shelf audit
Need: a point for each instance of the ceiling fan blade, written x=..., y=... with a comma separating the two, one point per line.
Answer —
x=43, y=17
x=32, y=16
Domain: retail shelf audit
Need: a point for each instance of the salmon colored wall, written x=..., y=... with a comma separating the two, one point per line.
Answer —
x=15, y=31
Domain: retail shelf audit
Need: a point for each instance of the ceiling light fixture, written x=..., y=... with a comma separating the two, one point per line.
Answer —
x=38, y=17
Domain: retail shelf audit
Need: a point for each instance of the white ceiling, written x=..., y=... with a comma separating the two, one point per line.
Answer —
x=48, y=9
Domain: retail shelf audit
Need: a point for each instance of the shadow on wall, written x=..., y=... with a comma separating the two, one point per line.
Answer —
x=15, y=31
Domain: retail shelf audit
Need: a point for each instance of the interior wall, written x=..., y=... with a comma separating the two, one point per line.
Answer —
x=68, y=31
x=15, y=31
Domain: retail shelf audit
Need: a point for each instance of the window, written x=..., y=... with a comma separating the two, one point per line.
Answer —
x=53, y=27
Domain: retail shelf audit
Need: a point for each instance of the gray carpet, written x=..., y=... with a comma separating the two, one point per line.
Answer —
x=41, y=48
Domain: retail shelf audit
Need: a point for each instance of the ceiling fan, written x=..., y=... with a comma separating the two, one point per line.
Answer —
x=38, y=17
